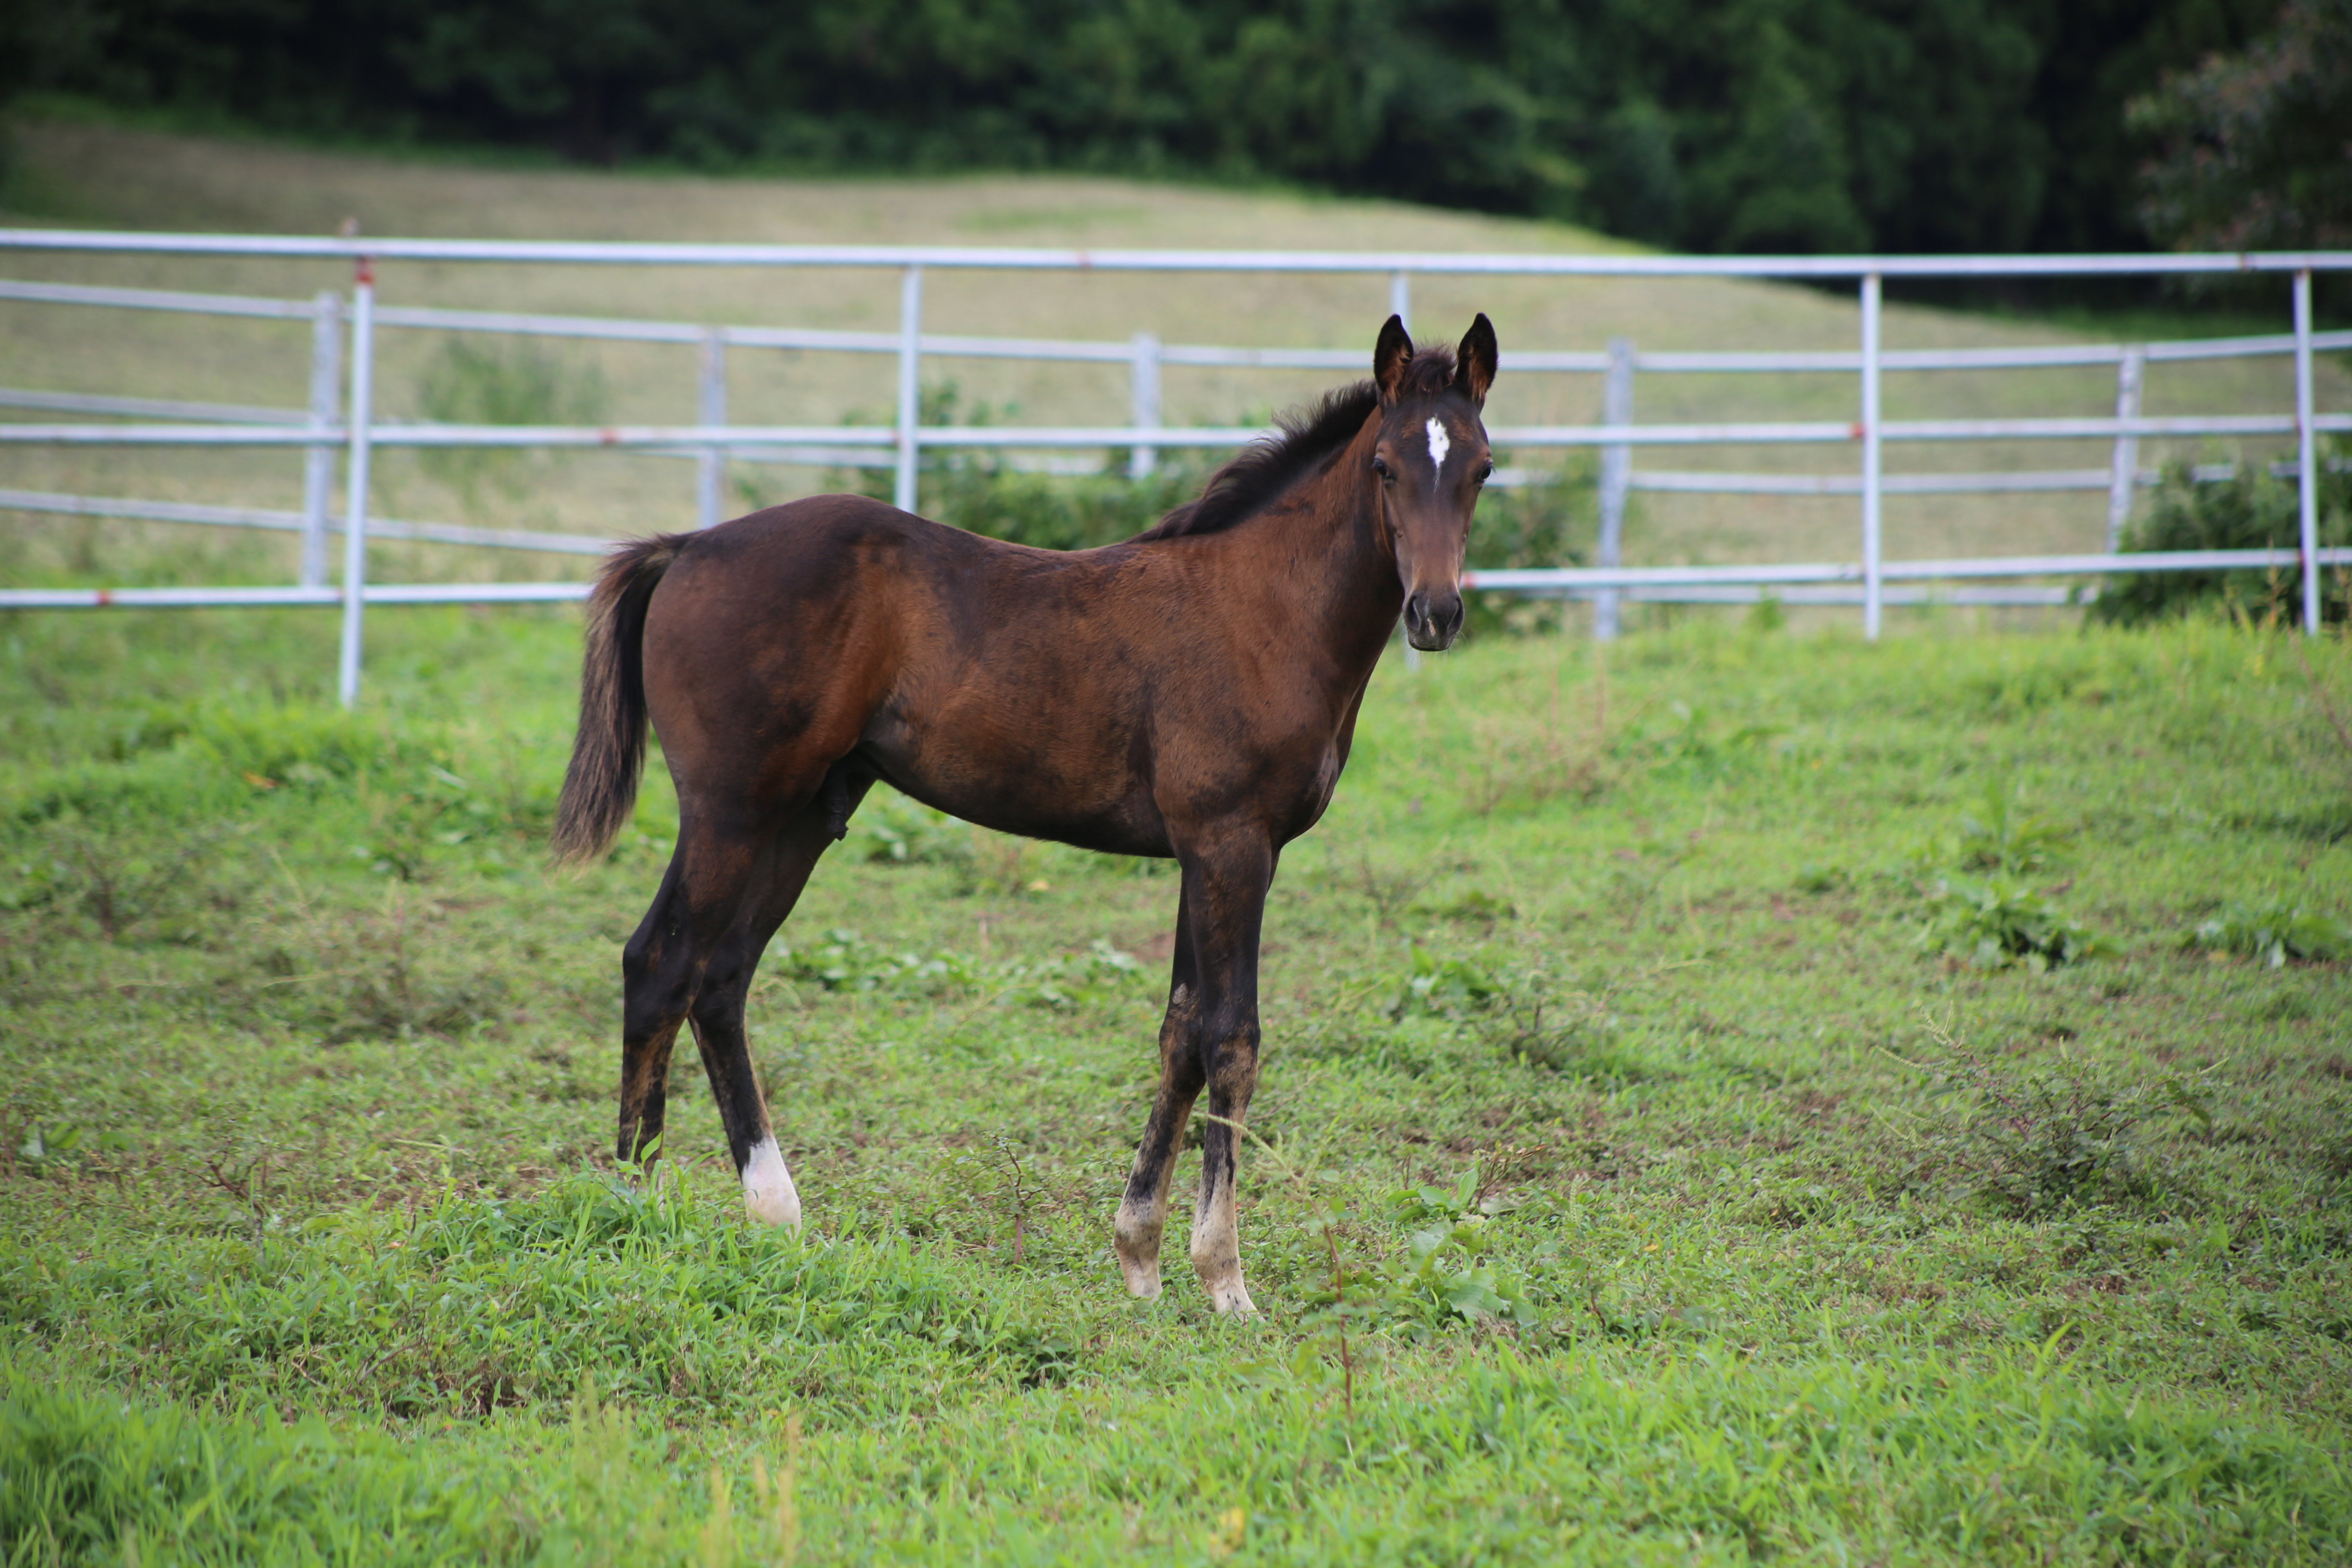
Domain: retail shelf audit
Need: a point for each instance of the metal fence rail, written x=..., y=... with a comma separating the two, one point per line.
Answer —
x=323, y=432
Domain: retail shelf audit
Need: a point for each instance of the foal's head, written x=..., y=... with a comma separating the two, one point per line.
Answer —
x=1431, y=457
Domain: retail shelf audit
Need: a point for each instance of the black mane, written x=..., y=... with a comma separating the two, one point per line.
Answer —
x=1267, y=468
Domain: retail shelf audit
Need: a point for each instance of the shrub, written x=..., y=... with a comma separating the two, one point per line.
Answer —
x=981, y=491
x=2249, y=510
x=1536, y=524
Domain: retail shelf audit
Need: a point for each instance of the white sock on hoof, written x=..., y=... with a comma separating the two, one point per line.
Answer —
x=768, y=1191
x=1134, y=1239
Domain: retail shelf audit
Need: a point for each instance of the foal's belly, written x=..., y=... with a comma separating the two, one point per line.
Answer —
x=1038, y=785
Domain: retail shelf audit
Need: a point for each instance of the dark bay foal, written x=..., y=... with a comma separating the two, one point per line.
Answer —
x=1191, y=692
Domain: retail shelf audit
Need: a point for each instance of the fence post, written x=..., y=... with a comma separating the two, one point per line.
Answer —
x=910, y=387
x=355, y=477
x=2307, y=455
x=1870, y=585
x=2126, y=476
x=710, y=472
x=1616, y=481
x=1144, y=376
x=319, y=457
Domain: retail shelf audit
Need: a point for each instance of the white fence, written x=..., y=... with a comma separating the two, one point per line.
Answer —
x=323, y=430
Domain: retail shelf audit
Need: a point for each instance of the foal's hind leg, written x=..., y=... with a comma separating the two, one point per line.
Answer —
x=716, y=1013
x=726, y=891
x=1143, y=1210
x=658, y=972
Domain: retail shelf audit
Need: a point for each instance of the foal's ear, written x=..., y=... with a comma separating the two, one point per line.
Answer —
x=1473, y=362
x=1389, y=356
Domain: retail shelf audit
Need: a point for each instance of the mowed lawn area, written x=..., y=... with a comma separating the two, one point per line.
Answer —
x=1650, y=1166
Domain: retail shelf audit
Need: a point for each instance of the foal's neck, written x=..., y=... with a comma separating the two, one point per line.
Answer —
x=1351, y=596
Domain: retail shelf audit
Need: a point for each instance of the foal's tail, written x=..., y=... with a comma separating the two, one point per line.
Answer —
x=599, y=788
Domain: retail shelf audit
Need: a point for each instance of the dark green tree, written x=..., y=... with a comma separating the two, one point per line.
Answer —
x=2254, y=149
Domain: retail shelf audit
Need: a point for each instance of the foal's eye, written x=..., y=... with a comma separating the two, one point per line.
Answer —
x=1487, y=472
x=1381, y=466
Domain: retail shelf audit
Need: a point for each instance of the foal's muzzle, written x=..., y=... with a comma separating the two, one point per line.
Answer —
x=1432, y=621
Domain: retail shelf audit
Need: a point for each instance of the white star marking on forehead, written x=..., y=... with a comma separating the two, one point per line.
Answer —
x=1439, y=444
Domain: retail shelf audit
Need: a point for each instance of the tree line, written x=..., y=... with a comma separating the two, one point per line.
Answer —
x=1710, y=125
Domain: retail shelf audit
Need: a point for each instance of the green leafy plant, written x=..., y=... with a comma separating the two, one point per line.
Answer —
x=2273, y=931
x=1446, y=987
x=2252, y=510
x=1993, y=924
x=2000, y=836
x=2042, y=1137
x=1547, y=522
x=842, y=960
x=980, y=490
x=386, y=973
x=1693, y=742
x=895, y=831
x=1533, y=1020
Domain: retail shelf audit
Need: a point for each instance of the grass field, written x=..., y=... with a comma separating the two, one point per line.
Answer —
x=1642, y=1181
x=1755, y=1096
x=94, y=174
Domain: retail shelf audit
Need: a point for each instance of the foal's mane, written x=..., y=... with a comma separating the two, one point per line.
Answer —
x=1310, y=436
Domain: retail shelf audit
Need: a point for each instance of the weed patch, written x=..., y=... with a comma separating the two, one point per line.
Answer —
x=2038, y=1139
x=1993, y=924
x=2273, y=931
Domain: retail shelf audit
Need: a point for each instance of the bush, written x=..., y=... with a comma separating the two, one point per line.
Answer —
x=1531, y=525
x=2249, y=510
x=981, y=493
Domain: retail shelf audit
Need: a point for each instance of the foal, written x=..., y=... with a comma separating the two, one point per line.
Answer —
x=1192, y=692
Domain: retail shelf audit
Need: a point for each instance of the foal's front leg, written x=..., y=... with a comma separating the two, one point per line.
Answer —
x=1225, y=889
x=1143, y=1209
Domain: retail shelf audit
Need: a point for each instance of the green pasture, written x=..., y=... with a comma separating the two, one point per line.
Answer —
x=1747, y=1095
x=1758, y=1097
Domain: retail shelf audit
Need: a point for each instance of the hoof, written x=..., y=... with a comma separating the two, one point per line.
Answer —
x=1136, y=1240
x=773, y=1208
x=769, y=1195
x=1232, y=1300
